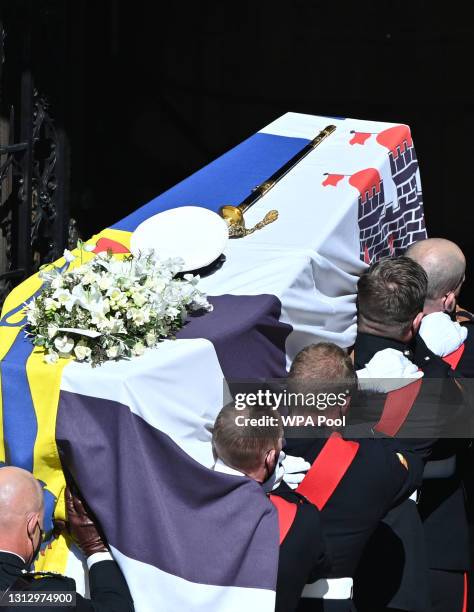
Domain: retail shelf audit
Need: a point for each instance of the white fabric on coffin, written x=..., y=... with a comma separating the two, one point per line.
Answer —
x=153, y=389
x=176, y=593
x=317, y=297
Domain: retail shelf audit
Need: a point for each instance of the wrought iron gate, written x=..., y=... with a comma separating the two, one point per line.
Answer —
x=33, y=214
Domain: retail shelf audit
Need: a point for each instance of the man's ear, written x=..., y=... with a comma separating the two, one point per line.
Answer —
x=417, y=322
x=31, y=521
x=271, y=458
x=450, y=302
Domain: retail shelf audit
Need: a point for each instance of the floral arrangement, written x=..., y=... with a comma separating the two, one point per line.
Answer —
x=111, y=308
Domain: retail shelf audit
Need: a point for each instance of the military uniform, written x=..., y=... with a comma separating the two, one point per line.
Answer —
x=108, y=588
x=442, y=506
x=375, y=481
x=302, y=555
x=438, y=410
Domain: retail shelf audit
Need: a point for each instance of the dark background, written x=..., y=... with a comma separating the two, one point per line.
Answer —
x=149, y=92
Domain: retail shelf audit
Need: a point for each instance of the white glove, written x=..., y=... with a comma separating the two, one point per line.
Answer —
x=441, y=334
x=295, y=470
x=290, y=469
x=386, y=371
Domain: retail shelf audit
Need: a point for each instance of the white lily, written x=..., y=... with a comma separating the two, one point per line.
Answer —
x=65, y=298
x=57, y=281
x=90, y=299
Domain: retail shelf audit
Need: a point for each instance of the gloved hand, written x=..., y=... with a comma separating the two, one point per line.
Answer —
x=295, y=470
x=81, y=526
x=441, y=334
x=290, y=469
x=386, y=371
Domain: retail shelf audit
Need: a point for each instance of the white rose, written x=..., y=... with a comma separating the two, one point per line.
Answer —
x=139, y=317
x=64, y=344
x=51, y=357
x=114, y=294
x=105, y=282
x=139, y=299
x=113, y=352
x=150, y=338
x=122, y=301
x=89, y=278
x=82, y=351
x=138, y=348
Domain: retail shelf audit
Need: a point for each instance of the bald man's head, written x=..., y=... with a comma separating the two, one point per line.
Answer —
x=445, y=266
x=20, y=494
x=21, y=512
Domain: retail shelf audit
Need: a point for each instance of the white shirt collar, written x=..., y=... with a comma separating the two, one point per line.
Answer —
x=272, y=483
x=220, y=466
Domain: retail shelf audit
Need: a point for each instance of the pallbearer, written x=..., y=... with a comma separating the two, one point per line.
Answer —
x=252, y=451
x=21, y=531
x=442, y=503
x=353, y=482
x=391, y=297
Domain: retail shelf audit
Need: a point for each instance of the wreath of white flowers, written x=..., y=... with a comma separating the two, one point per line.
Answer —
x=111, y=308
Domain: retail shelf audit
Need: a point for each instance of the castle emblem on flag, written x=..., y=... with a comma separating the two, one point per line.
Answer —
x=387, y=228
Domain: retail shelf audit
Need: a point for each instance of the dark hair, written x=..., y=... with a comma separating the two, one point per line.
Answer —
x=390, y=295
x=244, y=447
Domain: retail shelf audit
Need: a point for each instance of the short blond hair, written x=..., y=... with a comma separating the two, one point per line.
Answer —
x=244, y=447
